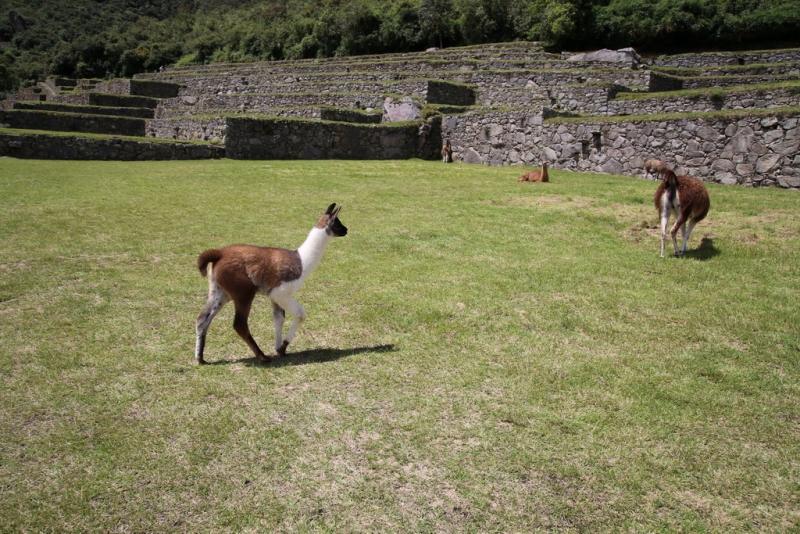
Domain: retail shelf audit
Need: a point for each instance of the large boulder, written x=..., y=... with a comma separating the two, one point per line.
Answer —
x=623, y=55
x=401, y=109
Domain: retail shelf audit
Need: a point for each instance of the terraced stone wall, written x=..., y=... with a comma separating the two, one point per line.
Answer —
x=105, y=99
x=749, y=150
x=37, y=146
x=727, y=58
x=71, y=122
x=665, y=103
x=346, y=115
x=206, y=129
x=588, y=98
x=248, y=138
x=139, y=88
x=141, y=113
x=263, y=103
x=702, y=82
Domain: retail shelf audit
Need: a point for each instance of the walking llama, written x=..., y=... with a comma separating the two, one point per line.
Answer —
x=239, y=272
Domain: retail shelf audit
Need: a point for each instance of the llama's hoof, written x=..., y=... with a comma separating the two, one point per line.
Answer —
x=201, y=361
x=282, y=349
x=264, y=358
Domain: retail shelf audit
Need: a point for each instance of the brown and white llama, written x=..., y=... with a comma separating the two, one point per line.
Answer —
x=447, y=152
x=656, y=166
x=536, y=176
x=687, y=198
x=240, y=272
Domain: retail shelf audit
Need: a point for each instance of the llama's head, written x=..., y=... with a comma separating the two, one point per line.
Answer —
x=331, y=223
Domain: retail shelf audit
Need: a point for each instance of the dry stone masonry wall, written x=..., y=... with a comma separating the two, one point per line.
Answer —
x=500, y=105
x=289, y=139
x=39, y=146
x=747, y=150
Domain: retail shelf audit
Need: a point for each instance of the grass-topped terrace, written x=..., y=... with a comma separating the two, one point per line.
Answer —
x=740, y=80
x=143, y=113
x=791, y=86
x=533, y=47
x=82, y=135
x=278, y=118
x=320, y=87
x=479, y=355
x=390, y=66
x=709, y=115
x=732, y=54
x=724, y=70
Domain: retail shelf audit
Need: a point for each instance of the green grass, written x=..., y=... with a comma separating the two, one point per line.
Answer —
x=82, y=135
x=480, y=355
x=788, y=85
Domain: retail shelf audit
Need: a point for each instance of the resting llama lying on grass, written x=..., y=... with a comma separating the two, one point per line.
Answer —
x=536, y=176
x=656, y=166
x=685, y=196
x=239, y=272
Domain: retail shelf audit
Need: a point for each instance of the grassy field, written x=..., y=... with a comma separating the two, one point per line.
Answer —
x=480, y=355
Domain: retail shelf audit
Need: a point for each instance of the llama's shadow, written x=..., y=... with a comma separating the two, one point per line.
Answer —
x=307, y=356
x=704, y=252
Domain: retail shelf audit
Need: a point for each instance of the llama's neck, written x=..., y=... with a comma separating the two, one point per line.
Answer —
x=312, y=249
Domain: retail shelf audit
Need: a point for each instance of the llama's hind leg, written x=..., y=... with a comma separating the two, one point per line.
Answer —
x=216, y=300
x=243, y=329
x=680, y=223
x=278, y=317
x=664, y=223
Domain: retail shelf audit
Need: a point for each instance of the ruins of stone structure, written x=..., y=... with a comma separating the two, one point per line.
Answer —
x=729, y=118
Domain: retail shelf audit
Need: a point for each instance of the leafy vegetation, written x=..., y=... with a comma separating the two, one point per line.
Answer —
x=112, y=38
x=479, y=355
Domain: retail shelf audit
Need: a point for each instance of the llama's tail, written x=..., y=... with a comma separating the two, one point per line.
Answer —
x=672, y=185
x=209, y=256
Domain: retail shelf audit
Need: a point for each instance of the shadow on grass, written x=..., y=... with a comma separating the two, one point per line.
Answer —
x=307, y=356
x=704, y=252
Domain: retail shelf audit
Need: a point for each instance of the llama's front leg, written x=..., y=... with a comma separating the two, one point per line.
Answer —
x=216, y=299
x=278, y=317
x=298, y=316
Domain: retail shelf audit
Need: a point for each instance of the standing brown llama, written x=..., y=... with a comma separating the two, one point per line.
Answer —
x=656, y=166
x=447, y=152
x=685, y=196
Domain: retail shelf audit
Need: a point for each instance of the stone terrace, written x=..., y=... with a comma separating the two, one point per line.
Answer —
x=499, y=104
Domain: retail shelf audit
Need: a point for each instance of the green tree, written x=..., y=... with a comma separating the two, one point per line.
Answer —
x=435, y=20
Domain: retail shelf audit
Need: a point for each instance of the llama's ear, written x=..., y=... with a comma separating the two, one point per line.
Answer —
x=336, y=212
x=329, y=211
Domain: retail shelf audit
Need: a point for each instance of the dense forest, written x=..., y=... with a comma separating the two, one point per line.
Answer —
x=114, y=38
